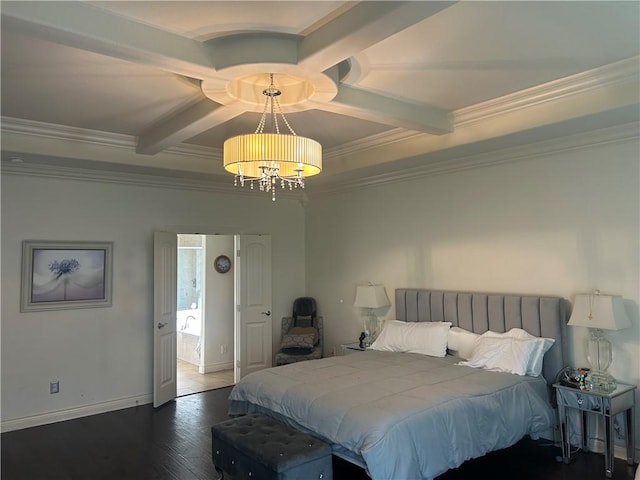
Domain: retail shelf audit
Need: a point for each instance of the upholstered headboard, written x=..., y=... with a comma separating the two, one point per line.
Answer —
x=479, y=312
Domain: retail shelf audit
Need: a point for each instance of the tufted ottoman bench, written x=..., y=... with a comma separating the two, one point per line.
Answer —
x=257, y=447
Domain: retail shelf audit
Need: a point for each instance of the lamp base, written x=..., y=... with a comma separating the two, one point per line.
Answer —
x=371, y=327
x=601, y=382
x=600, y=355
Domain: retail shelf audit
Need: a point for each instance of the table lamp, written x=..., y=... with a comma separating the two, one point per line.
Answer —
x=370, y=297
x=598, y=313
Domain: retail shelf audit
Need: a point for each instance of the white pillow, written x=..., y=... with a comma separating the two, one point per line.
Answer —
x=426, y=338
x=534, y=367
x=501, y=354
x=460, y=342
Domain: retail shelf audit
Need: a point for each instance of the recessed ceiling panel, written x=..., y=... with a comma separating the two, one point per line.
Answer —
x=52, y=83
x=135, y=68
x=205, y=20
x=476, y=51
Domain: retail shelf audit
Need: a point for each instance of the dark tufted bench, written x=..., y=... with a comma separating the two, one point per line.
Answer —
x=257, y=447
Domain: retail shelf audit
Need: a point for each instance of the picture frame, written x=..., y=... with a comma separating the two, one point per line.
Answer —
x=60, y=275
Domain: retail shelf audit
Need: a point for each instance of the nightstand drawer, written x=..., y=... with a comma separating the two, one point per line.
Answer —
x=583, y=401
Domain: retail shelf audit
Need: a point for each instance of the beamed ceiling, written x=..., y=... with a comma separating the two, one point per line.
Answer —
x=388, y=88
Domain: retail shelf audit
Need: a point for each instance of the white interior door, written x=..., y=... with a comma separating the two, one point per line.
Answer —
x=254, y=318
x=165, y=261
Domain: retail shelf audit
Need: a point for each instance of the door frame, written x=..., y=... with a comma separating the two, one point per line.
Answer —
x=203, y=230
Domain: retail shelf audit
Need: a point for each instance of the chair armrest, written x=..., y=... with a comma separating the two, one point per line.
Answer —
x=320, y=331
x=287, y=323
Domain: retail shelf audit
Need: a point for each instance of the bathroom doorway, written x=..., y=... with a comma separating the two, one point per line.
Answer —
x=203, y=317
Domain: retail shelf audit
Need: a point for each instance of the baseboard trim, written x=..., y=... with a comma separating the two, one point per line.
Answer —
x=619, y=451
x=595, y=445
x=71, y=413
x=215, y=367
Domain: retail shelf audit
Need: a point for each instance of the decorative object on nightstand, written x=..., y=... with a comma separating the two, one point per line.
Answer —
x=347, y=348
x=599, y=312
x=371, y=297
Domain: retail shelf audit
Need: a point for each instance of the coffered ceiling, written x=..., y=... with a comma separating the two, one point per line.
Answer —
x=385, y=87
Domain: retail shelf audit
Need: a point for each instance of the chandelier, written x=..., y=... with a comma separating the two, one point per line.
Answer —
x=269, y=159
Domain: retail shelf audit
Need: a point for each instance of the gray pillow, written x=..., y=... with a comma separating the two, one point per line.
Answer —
x=303, y=321
x=302, y=330
x=297, y=343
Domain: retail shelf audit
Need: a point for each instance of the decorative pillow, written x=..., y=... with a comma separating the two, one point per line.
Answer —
x=303, y=330
x=534, y=366
x=460, y=342
x=501, y=354
x=298, y=343
x=426, y=338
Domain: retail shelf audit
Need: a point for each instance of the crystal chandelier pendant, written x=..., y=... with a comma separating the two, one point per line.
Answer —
x=274, y=158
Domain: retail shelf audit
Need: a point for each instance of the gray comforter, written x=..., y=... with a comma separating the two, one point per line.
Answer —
x=408, y=416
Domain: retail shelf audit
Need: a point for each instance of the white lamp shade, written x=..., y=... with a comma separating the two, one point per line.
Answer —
x=606, y=312
x=371, y=296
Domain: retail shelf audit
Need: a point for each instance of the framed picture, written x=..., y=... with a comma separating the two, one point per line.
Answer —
x=63, y=275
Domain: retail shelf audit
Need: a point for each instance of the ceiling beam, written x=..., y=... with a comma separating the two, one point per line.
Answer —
x=87, y=27
x=200, y=117
x=84, y=26
x=358, y=103
x=360, y=27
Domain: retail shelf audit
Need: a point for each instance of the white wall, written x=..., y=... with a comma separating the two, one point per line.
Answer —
x=559, y=224
x=103, y=356
x=219, y=306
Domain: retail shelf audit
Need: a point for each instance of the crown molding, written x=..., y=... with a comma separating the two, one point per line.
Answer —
x=128, y=143
x=606, y=76
x=63, y=132
x=390, y=137
x=95, y=137
x=435, y=164
x=101, y=172
x=87, y=172
x=582, y=141
x=162, y=178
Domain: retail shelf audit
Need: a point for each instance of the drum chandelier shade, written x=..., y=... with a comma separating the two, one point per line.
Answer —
x=271, y=158
x=247, y=153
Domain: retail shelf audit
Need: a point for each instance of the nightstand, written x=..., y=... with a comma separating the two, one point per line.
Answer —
x=606, y=405
x=348, y=348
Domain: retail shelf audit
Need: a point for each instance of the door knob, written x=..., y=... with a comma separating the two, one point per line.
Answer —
x=267, y=313
x=160, y=325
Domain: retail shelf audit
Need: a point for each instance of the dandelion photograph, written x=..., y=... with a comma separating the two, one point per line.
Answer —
x=66, y=275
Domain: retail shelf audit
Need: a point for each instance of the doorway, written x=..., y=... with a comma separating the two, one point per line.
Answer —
x=204, y=320
x=242, y=327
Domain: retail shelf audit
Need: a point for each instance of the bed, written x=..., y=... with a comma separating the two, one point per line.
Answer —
x=414, y=416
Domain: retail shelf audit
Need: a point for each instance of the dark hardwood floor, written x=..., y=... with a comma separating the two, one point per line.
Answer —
x=174, y=442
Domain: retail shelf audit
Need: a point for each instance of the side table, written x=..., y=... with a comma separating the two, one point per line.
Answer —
x=605, y=405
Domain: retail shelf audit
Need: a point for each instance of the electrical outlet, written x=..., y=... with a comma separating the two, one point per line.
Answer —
x=54, y=387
